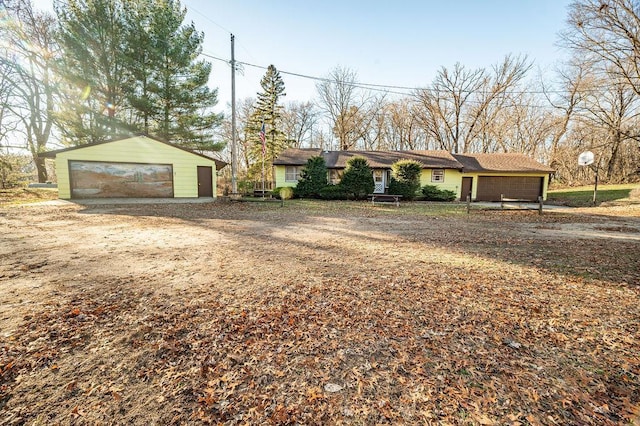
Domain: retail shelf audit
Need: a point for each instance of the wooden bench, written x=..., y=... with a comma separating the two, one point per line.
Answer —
x=385, y=198
x=262, y=193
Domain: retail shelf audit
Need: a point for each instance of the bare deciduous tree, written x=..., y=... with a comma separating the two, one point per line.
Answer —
x=350, y=109
x=298, y=120
x=573, y=83
x=615, y=109
x=607, y=31
x=30, y=60
x=244, y=112
x=461, y=103
x=403, y=131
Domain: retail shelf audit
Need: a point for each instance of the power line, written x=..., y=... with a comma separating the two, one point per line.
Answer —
x=411, y=91
x=386, y=88
x=375, y=87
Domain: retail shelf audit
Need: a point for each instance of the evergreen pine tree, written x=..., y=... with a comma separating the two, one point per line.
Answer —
x=313, y=178
x=142, y=62
x=179, y=90
x=91, y=37
x=357, y=179
x=133, y=66
x=268, y=111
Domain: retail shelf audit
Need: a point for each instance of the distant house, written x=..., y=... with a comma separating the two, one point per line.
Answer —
x=484, y=176
x=134, y=167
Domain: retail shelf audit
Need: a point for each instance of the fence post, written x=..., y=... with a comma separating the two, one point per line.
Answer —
x=540, y=205
x=468, y=203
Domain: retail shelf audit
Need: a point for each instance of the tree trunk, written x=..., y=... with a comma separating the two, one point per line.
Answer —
x=42, y=169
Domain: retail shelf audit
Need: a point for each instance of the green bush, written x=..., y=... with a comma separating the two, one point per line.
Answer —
x=313, y=178
x=432, y=193
x=357, y=180
x=286, y=193
x=278, y=192
x=405, y=178
x=245, y=187
x=408, y=190
x=333, y=192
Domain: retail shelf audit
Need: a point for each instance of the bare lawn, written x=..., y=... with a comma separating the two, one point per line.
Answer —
x=318, y=313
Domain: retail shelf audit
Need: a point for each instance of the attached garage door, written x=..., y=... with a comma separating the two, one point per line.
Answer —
x=93, y=179
x=525, y=188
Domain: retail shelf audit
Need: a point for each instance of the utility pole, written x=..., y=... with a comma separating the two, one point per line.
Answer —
x=234, y=151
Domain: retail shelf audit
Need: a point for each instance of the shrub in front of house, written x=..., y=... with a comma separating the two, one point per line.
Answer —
x=275, y=192
x=405, y=178
x=313, y=178
x=333, y=192
x=405, y=189
x=278, y=192
x=245, y=187
x=285, y=193
x=357, y=180
x=432, y=193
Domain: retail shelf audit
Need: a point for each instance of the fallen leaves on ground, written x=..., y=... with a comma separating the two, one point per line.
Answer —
x=236, y=314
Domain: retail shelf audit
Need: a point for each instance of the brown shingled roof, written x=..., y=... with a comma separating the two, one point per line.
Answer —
x=376, y=159
x=385, y=159
x=500, y=162
x=497, y=162
x=296, y=156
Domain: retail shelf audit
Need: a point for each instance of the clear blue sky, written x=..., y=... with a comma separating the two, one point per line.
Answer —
x=398, y=43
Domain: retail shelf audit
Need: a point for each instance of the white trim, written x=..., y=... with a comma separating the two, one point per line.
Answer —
x=437, y=177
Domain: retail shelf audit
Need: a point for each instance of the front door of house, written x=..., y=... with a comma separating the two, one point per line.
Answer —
x=378, y=180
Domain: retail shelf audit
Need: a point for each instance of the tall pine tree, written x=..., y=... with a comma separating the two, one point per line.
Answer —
x=268, y=111
x=179, y=88
x=142, y=63
x=133, y=67
x=91, y=36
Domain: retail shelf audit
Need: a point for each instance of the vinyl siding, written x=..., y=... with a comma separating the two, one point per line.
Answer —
x=452, y=180
x=280, y=177
x=139, y=150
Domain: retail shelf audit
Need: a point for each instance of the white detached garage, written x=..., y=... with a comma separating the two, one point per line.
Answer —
x=135, y=167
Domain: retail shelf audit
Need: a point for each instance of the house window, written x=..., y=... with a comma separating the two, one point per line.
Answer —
x=437, y=175
x=291, y=174
x=335, y=175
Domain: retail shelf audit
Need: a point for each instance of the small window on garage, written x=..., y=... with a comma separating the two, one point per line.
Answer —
x=291, y=174
x=437, y=175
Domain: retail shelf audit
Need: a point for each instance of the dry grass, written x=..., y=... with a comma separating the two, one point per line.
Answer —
x=26, y=195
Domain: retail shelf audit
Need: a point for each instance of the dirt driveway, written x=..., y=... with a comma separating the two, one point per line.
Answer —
x=315, y=313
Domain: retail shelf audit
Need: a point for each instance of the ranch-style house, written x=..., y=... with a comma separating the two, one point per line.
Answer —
x=486, y=177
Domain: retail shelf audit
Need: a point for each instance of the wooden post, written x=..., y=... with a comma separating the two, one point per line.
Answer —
x=595, y=188
x=540, y=205
x=234, y=148
x=468, y=203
